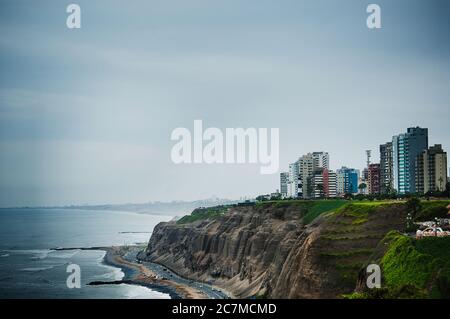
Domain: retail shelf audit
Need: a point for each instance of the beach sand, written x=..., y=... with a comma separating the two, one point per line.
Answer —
x=138, y=274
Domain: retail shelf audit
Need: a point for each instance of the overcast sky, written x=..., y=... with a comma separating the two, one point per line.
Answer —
x=86, y=115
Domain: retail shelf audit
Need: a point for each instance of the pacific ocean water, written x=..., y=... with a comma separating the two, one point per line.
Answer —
x=31, y=268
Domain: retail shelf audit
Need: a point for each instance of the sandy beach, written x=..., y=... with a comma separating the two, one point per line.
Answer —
x=138, y=274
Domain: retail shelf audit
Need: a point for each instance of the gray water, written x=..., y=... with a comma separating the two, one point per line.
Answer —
x=31, y=268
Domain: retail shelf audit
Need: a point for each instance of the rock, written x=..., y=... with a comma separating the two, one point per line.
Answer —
x=268, y=250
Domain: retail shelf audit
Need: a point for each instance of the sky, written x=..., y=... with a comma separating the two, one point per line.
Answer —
x=86, y=114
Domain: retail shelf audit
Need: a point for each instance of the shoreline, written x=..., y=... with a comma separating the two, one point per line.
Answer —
x=228, y=294
x=138, y=274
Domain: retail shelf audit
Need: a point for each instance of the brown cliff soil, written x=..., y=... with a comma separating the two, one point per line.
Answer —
x=287, y=249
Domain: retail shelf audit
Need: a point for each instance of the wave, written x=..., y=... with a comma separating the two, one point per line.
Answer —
x=36, y=253
x=35, y=269
x=113, y=274
x=65, y=254
x=140, y=292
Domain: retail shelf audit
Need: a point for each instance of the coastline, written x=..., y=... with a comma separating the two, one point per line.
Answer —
x=151, y=275
x=138, y=274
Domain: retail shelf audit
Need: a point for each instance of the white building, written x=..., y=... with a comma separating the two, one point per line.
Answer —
x=307, y=165
x=293, y=180
x=316, y=184
x=284, y=179
x=340, y=183
x=321, y=159
x=330, y=183
x=300, y=173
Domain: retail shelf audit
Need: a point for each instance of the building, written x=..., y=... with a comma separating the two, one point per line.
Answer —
x=315, y=184
x=362, y=180
x=405, y=149
x=386, y=178
x=293, y=180
x=306, y=169
x=347, y=180
x=308, y=165
x=340, y=181
x=431, y=170
x=329, y=183
x=284, y=179
x=303, y=176
x=321, y=159
x=373, y=179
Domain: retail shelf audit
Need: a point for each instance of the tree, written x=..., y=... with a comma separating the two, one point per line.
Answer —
x=348, y=195
x=319, y=187
x=275, y=196
x=393, y=194
x=261, y=198
x=413, y=205
x=362, y=187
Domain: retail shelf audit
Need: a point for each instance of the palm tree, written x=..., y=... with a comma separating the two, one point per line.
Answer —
x=413, y=206
x=362, y=187
x=319, y=187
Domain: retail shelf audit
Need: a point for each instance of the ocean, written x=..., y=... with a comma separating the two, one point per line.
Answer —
x=31, y=268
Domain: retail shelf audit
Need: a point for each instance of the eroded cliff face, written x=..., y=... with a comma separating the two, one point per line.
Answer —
x=268, y=250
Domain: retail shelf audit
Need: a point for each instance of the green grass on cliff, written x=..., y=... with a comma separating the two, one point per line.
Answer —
x=320, y=207
x=422, y=264
x=412, y=268
x=203, y=213
x=310, y=209
x=431, y=209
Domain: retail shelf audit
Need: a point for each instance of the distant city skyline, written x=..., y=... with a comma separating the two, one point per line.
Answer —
x=407, y=164
x=86, y=115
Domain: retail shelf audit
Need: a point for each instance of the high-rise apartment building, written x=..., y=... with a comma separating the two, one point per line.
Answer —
x=431, y=170
x=293, y=178
x=306, y=169
x=347, y=180
x=386, y=177
x=284, y=179
x=340, y=181
x=373, y=179
x=329, y=183
x=405, y=148
x=308, y=164
x=315, y=184
x=321, y=159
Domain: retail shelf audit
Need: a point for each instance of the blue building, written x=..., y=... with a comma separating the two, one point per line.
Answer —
x=347, y=180
x=405, y=148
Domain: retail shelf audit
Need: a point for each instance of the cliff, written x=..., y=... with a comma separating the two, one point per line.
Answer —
x=411, y=268
x=284, y=249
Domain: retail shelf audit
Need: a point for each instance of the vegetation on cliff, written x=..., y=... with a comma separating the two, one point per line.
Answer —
x=413, y=268
x=306, y=248
x=309, y=209
x=203, y=213
x=423, y=264
x=429, y=209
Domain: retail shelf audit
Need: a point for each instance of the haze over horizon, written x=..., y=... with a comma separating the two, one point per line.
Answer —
x=86, y=115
